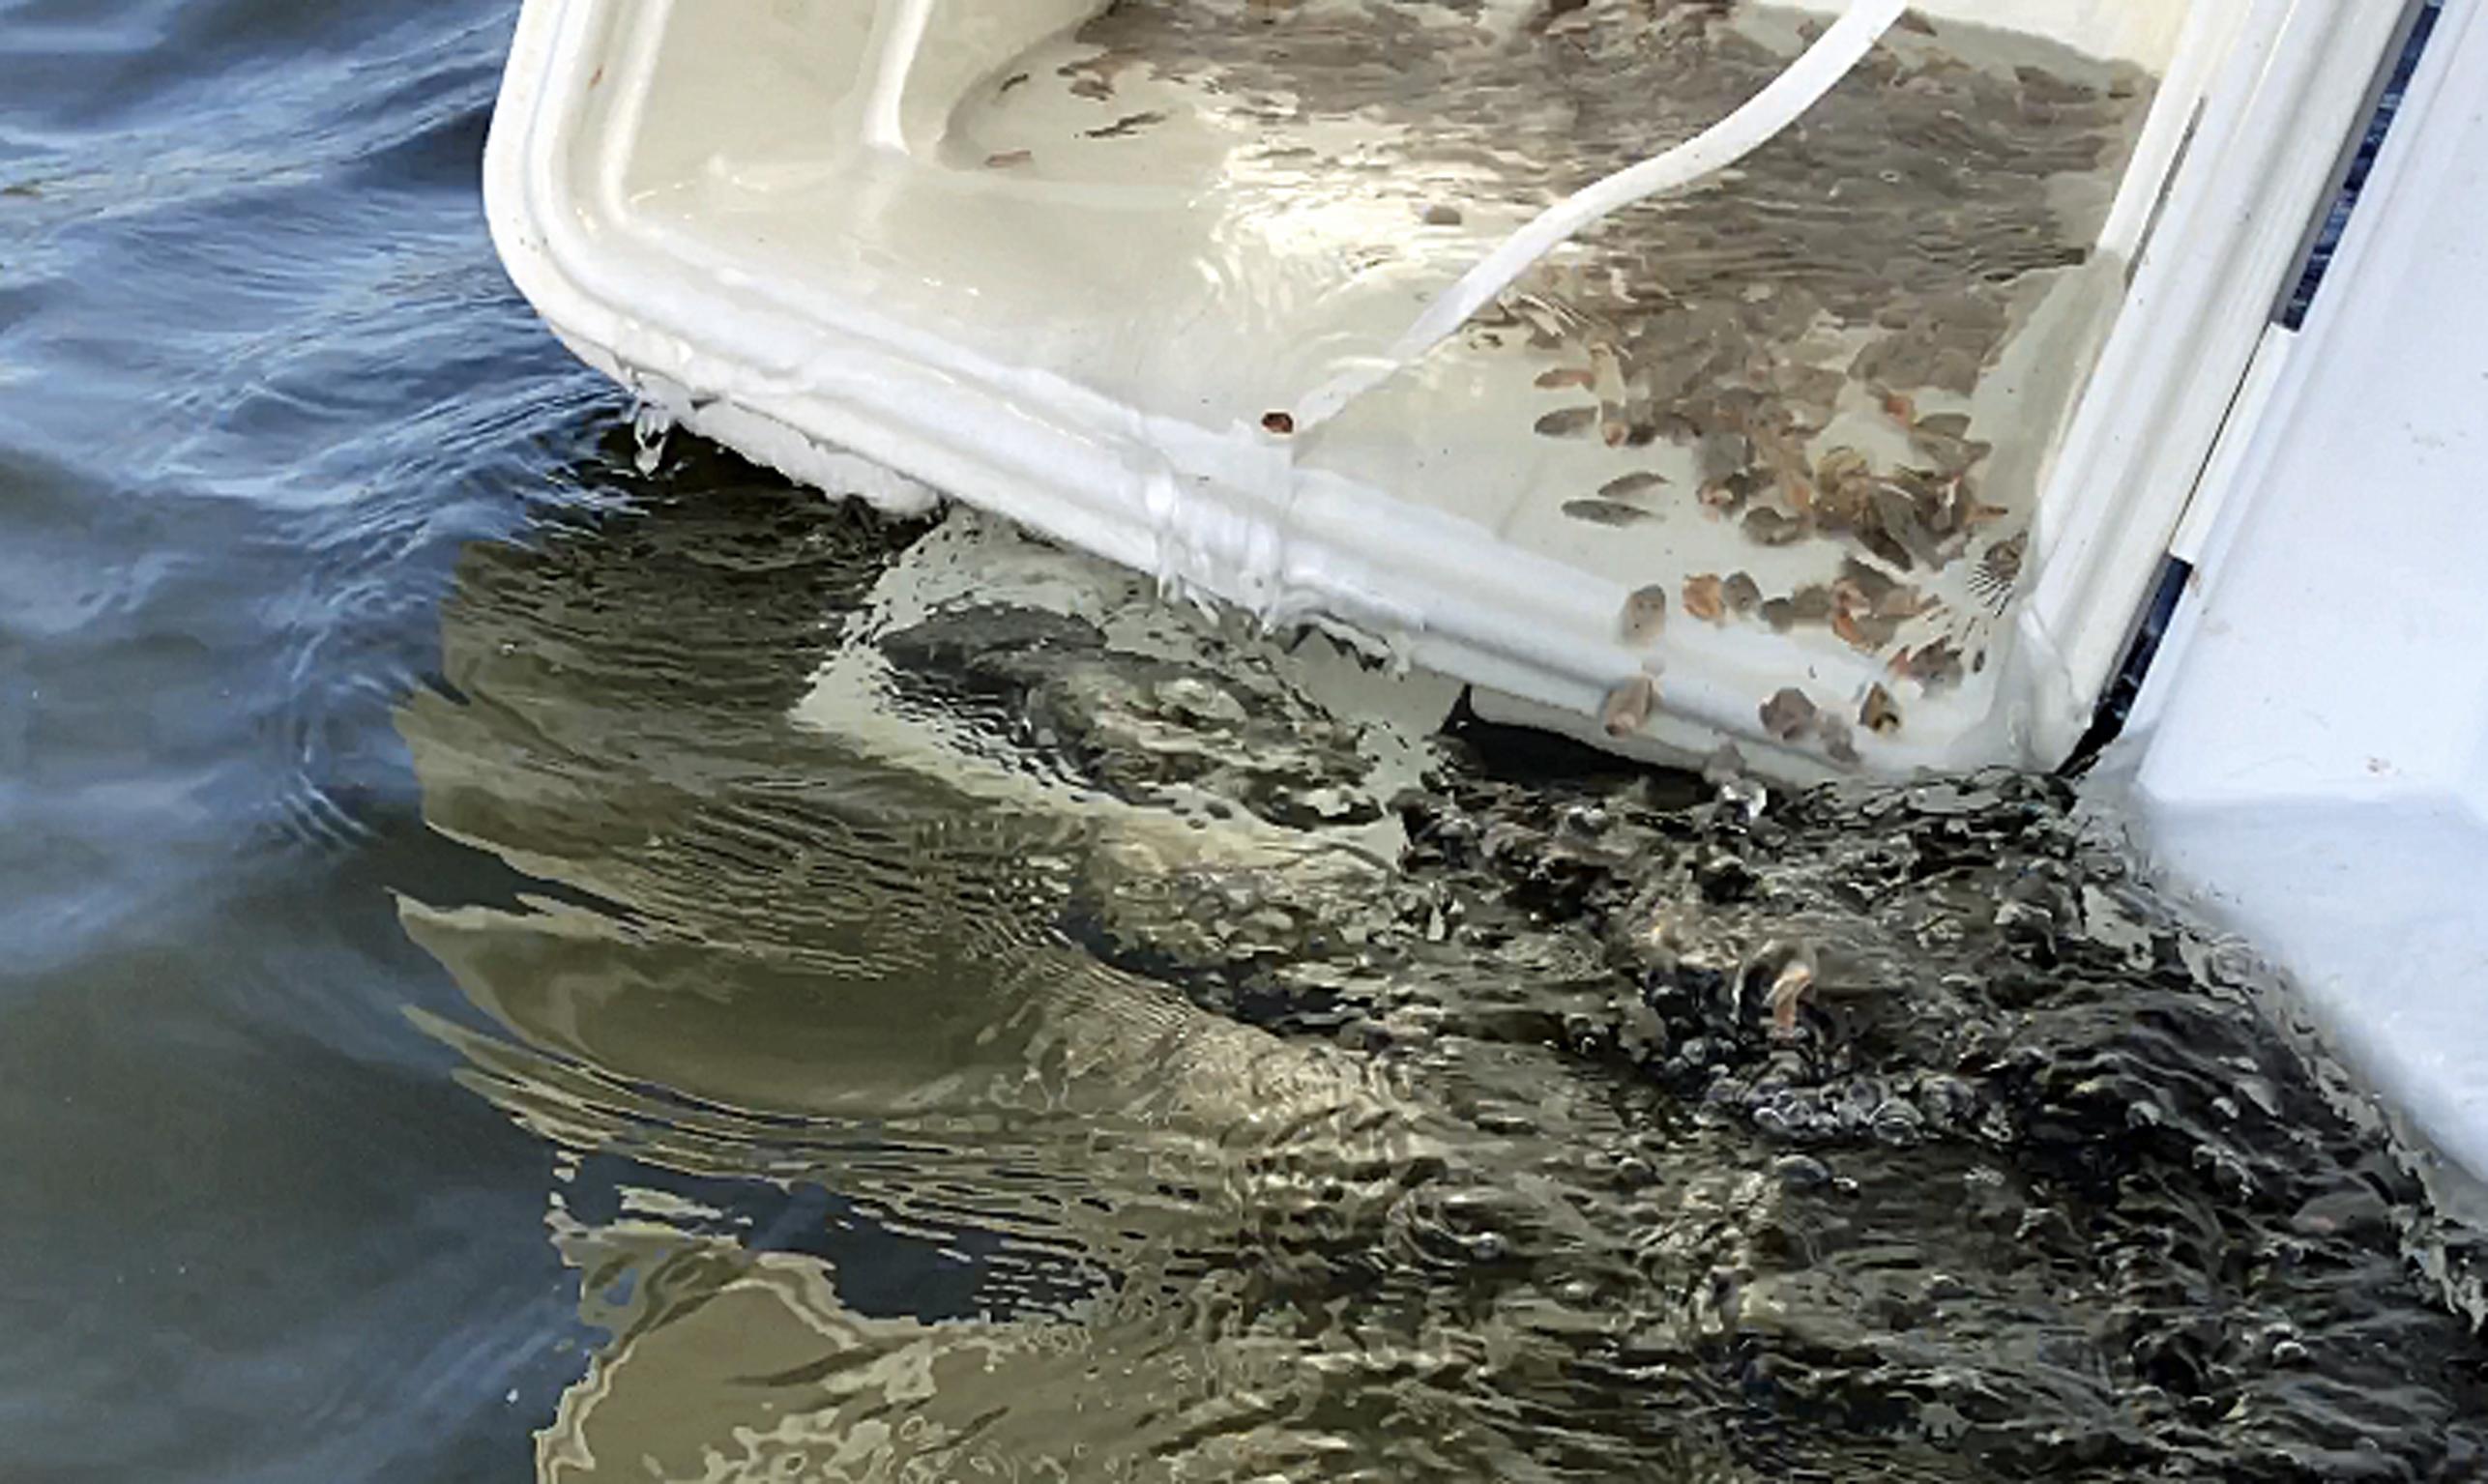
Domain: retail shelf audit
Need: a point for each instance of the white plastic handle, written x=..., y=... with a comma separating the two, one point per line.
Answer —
x=902, y=37
x=1755, y=123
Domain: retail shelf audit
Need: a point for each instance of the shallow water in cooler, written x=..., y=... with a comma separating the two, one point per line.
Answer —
x=1805, y=404
x=1835, y=346
x=520, y=966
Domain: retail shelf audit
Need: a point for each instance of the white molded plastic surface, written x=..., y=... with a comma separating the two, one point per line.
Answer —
x=2147, y=35
x=2311, y=752
x=2260, y=157
x=711, y=200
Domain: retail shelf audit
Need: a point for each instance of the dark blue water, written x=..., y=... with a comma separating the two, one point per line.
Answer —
x=260, y=380
x=514, y=965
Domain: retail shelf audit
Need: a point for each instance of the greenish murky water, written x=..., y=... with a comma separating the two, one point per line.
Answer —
x=521, y=967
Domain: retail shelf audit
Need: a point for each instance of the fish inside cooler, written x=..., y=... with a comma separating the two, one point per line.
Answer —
x=1769, y=449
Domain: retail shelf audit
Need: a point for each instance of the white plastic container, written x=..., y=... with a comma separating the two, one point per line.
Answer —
x=2310, y=754
x=1065, y=264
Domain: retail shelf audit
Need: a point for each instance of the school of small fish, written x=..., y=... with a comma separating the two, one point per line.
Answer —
x=1813, y=332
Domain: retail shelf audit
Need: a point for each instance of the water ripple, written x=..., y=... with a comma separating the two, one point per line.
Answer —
x=984, y=1080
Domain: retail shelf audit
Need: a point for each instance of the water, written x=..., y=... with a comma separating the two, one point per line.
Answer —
x=521, y=964
x=1770, y=112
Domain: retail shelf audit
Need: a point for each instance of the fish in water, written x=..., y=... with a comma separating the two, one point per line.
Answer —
x=1645, y=614
x=1607, y=512
x=1627, y=705
x=1867, y=635
x=1724, y=769
x=1784, y=974
x=1702, y=599
x=1998, y=570
x=1625, y=486
x=1787, y=714
x=1870, y=592
x=1129, y=123
x=1771, y=528
x=1567, y=422
x=1933, y=664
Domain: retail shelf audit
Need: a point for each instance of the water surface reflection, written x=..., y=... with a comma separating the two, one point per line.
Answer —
x=994, y=1023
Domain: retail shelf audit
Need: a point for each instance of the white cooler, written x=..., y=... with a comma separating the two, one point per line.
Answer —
x=1891, y=439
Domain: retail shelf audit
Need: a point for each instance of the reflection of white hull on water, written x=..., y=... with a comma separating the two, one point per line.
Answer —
x=1042, y=268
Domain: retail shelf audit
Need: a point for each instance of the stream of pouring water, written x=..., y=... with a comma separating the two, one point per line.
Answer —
x=1754, y=123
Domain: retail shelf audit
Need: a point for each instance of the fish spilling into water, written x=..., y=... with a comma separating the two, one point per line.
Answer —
x=1010, y=1039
